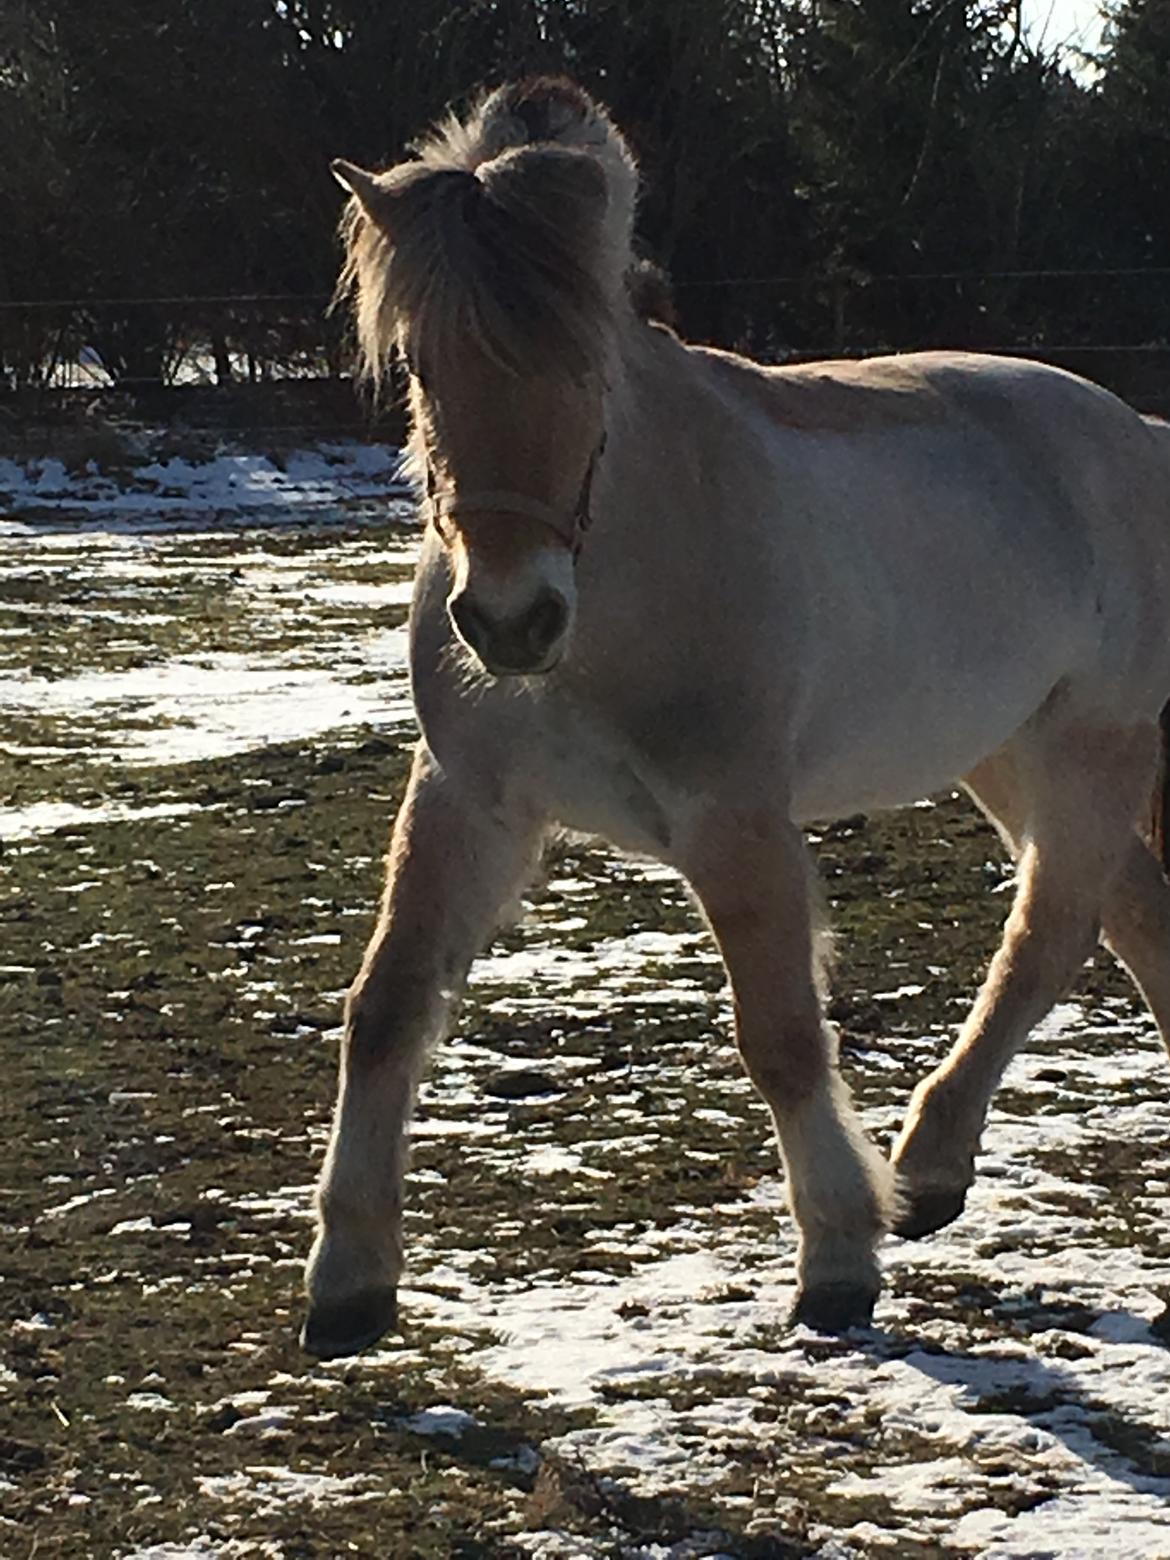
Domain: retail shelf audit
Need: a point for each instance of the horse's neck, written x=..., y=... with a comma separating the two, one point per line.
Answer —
x=680, y=447
x=663, y=407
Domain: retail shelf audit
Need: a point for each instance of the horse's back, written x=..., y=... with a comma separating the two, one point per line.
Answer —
x=972, y=535
x=954, y=462
x=872, y=396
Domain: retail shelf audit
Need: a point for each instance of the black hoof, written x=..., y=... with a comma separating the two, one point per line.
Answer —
x=927, y=1211
x=333, y=1331
x=833, y=1308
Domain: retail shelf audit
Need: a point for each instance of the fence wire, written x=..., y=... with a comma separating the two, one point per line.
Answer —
x=265, y=344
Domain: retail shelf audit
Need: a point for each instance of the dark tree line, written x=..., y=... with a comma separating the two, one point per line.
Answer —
x=179, y=149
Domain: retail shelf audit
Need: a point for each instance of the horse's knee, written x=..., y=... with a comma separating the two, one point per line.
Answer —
x=788, y=1063
x=387, y=1022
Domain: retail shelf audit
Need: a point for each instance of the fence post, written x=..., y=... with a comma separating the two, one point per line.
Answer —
x=838, y=286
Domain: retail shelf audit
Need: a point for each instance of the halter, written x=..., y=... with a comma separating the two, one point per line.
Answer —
x=569, y=529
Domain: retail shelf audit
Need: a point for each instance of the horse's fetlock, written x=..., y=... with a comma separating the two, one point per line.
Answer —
x=345, y=1261
x=838, y=1257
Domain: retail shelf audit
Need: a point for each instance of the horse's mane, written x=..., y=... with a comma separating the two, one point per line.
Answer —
x=508, y=231
x=651, y=294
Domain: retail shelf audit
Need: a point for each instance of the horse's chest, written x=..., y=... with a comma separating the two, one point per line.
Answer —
x=595, y=784
x=623, y=761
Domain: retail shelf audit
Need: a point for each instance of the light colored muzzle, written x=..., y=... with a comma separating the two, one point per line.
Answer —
x=516, y=622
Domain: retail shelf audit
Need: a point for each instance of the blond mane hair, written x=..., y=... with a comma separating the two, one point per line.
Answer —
x=509, y=230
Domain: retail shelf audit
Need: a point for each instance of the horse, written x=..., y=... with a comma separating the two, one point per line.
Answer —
x=689, y=603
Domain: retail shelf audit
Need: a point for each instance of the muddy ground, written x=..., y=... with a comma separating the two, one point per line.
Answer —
x=202, y=736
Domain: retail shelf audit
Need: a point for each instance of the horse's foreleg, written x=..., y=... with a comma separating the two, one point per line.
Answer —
x=1070, y=804
x=752, y=879
x=453, y=864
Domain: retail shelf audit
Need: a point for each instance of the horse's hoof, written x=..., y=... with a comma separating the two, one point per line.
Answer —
x=833, y=1308
x=333, y=1330
x=924, y=1212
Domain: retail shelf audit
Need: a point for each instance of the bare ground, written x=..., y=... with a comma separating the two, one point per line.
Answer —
x=202, y=740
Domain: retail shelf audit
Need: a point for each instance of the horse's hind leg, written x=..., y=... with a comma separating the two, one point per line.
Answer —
x=1135, y=915
x=1136, y=923
x=454, y=863
x=752, y=879
x=1069, y=801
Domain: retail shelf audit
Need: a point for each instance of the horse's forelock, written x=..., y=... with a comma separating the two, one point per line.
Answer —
x=512, y=255
x=532, y=269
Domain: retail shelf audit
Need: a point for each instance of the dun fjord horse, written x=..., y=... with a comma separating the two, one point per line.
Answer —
x=687, y=603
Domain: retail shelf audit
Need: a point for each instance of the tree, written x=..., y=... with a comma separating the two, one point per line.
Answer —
x=175, y=148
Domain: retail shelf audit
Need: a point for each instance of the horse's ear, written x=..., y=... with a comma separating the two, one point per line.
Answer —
x=374, y=197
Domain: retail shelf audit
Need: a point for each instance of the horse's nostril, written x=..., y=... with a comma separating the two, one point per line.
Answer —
x=514, y=644
x=545, y=621
x=469, y=621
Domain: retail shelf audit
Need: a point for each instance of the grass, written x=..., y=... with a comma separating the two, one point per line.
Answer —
x=169, y=991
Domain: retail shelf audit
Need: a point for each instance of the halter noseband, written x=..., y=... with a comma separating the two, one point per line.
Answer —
x=570, y=529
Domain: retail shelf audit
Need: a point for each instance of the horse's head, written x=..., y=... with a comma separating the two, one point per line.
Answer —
x=494, y=264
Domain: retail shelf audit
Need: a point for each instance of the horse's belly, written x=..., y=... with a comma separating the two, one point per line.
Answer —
x=915, y=670
x=875, y=783
x=864, y=753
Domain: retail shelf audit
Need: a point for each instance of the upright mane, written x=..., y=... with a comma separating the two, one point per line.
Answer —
x=509, y=229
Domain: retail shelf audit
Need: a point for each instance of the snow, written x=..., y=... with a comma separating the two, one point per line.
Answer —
x=157, y=545
x=442, y=1419
x=213, y=706
x=980, y=1442
x=271, y=1488
x=47, y=817
x=972, y=1438
x=228, y=486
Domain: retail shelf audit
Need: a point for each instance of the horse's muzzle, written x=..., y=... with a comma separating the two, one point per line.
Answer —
x=519, y=646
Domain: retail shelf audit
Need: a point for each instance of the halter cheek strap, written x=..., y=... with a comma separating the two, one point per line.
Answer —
x=449, y=504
